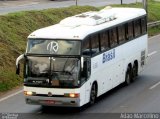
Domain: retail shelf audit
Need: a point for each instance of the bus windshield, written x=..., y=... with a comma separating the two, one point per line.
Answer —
x=52, y=71
x=56, y=46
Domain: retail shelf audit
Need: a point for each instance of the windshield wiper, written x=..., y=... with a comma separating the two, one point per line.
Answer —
x=67, y=72
x=72, y=66
x=66, y=60
x=65, y=64
x=71, y=71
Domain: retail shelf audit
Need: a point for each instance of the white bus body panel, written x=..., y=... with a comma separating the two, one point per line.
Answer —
x=112, y=73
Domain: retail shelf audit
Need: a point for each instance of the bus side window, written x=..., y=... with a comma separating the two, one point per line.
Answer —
x=121, y=33
x=104, y=40
x=137, y=28
x=95, y=44
x=143, y=25
x=86, y=47
x=113, y=37
x=129, y=30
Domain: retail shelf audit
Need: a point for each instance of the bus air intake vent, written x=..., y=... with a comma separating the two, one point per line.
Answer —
x=91, y=18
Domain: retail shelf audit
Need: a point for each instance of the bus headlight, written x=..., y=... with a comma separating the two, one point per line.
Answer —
x=29, y=93
x=72, y=95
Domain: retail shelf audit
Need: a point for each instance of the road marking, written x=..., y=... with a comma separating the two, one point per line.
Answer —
x=39, y=112
x=2, y=99
x=154, y=36
x=152, y=53
x=152, y=87
x=123, y=106
x=32, y=3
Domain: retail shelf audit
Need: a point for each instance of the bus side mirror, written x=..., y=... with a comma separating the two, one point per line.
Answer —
x=86, y=68
x=85, y=71
x=83, y=67
x=82, y=62
x=18, y=69
x=17, y=63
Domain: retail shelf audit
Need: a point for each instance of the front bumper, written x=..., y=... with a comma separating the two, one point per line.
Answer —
x=53, y=101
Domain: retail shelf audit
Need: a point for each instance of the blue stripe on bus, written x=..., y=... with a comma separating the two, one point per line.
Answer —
x=108, y=56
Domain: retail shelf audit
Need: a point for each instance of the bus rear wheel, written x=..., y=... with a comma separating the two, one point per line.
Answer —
x=93, y=94
x=134, y=72
x=128, y=76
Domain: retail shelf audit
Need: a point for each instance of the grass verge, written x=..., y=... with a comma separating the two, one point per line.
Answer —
x=14, y=29
x=153, y=14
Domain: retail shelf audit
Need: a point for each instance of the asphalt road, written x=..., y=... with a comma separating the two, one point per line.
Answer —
x=143, y=95
x=5, y=6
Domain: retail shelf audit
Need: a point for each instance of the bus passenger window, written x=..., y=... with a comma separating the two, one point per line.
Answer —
x=95, y=44
x=137, y=28
x=121, y=33
x=129, y=30
x=104, y=40
x=86, y=47
x=143, y=24
x=113, y=37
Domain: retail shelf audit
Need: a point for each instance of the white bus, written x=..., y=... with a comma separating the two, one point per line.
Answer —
x=84, y=56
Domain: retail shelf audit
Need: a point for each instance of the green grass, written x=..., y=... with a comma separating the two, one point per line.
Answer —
x=153, y=9
x=9, y=80
x=15, y=27
x=153, y=14
x=154, y=31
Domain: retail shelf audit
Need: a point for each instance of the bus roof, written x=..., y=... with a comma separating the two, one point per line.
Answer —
x=81, y=25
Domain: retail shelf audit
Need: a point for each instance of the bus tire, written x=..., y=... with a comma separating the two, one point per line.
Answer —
x=134, y=72
x=128, y=76
x=93, y=94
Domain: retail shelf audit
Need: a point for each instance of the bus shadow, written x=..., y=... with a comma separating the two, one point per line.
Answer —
x=58, y=111
x=141, y=80
x=60, y=0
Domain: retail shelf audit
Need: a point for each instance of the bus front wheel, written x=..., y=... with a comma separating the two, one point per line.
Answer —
x=93, y=94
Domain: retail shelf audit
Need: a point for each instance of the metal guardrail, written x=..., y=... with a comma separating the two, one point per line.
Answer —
x=153, y=24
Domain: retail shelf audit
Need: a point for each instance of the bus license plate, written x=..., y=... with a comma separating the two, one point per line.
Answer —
x=49, y=101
